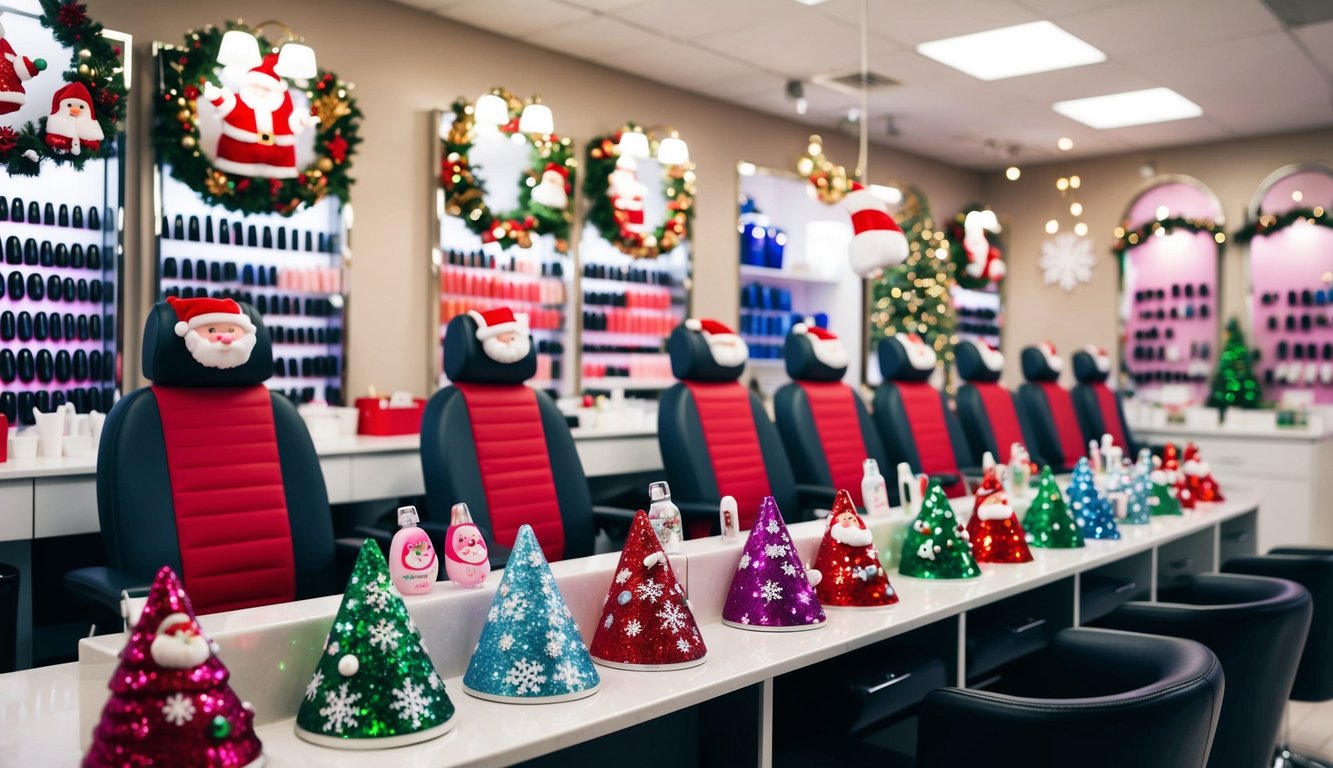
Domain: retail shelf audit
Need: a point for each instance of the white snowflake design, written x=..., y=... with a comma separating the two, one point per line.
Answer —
x=569, y=674
x=673, y=617
x=377, y=597
x=411, y=702
x=178, y=710
x=772, y=526
x=649, y=590
x=514, y=607
x=334, y=648
x=1067, y=260
x=555, y=644
x=773, y=551
x=534, y=559
x=622, y=576
x=384, y=636
x=788, y=568
x=555, y=616
x=506, y=641
x=633, y=628
x=312, y=688
x=770, y=591
x=526, y=676
x=744, y=563
x=435, y=682
x=493, y=614
x=683, y=645
x=341, y=710
x=609, y=621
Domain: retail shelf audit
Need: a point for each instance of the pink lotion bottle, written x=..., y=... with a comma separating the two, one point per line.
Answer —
x=413, y=566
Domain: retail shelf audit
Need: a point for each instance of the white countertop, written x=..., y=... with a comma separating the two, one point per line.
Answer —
x=1222, y=431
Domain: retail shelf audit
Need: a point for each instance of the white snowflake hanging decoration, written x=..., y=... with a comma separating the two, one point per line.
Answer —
x=1067, y=260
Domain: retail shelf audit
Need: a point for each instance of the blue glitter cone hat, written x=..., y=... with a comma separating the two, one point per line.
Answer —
x=1091, y=510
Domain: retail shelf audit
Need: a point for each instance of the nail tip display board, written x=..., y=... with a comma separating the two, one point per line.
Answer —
x=60, y=332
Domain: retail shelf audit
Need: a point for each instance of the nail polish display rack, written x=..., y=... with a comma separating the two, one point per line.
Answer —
x=1291, y=311
x=59, y=258
x=980, y=314
x=289, y=268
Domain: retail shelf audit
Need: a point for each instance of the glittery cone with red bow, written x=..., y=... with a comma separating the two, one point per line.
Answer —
x=170, y=703
x=1199, y=478
x=646, y=622
x=851, y=574
x=995, y=534
x=770, y=590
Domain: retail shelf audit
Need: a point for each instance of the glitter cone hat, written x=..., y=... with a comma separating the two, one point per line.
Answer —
x=937, y=544
x=851, y=574
x=530, y=651
x=646, y=622
x=374, y=685
x=993, y=530
x=170, y=702
x=1092, y=511
x=1047, y=521
x=1138, y=507
x=770, y=590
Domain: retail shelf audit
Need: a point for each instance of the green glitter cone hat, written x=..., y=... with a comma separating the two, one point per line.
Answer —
x=1048, y=521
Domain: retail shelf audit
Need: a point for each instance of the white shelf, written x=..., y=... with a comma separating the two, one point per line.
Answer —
x=784, y=276
x=626, y=383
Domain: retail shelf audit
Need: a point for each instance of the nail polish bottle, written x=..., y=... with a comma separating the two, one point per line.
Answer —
x=252, y=236
x=194, y=229
x=16, y=210
x=34, y=213
x=46, y=255
x=76, y=256
x=268, y=237
x=63, y=217
x=30, y=251
x=94, y=218
x=178, y=231
x=208, y=229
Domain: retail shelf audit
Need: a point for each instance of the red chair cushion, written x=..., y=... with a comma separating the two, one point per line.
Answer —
x=732, y=443
x=930, y=432
x=226, y=488
x=1067, y=430
x=1003, y=416
x=515, y=465
x=1110, y=409
x=838, y=424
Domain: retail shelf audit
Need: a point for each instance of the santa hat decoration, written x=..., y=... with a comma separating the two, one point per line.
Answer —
x=851, y=574
x=1052, y=359
x=828, y=348
x=991, y=357
x=498, y=321
x=815, y=332
x=994, y=531
x=919, y=354
x=170, y=702
x=721, y=338
x=646, y=622
x=195, y=313
x=554, y=189
x=1099, y=357
x=708, y=327
x=877, y=240
x=76, y=91
x=266, y=73
x=771, y=590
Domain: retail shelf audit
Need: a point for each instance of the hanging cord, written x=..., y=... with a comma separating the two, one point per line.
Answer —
x=865, y=93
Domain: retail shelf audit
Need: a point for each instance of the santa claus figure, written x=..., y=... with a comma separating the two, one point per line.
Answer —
x=259, y=125
x=553, y=191
x=1199, y=477
x=827, y=347
x=851, y=573
x=216, y=331
x=1050, y=356
x=878, y=242
x=728, y=349
x=72, y=127
x=920, y=355
x=983, y=259
x=503, y=334
x=994, y=530
x=627, y=194
x=15, y=70
x=1175, y=477
x=466, y=558
x=180, y=643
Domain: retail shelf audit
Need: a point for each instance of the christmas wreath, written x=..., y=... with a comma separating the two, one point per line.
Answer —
x=616, y=224
x=185, y=73
x=94, y=79
x=974, y=248
x=552, y=167
x=1268, y=223
x=1126, y=239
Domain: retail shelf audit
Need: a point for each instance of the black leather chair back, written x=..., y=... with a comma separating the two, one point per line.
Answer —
x=1100, y=410
x=1256, y=627
x=988, y=412
x=1049, y=412
x=1104, y=700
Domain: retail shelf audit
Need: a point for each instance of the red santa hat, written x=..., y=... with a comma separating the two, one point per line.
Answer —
x=819, y=334
x=1099, y=357
x=991, y=357
x=708, y=327
x=498, y=321
x=878, y=241
x=193, y=313
x=266, y=74
x=563, y=172
x=75, y=91
x=1048, y=353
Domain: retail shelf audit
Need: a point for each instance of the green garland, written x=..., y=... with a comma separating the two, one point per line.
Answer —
x=1268, y=223
x=601, y=162
x=958, y=252
x=1125, y=239
x=466, y=194
x=96, y=63
x=182, y=73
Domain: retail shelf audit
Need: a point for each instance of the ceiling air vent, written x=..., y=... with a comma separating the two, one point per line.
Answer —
x=851, y=82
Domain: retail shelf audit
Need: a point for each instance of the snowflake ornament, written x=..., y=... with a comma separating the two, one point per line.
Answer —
x=744, y=563
x=568, y=674
x=673, y=617
x=411, y=703
x=650, y=591
x=506, y=641
x=609, y=621
x=770, y=591
x=384, y=636
x=1067, y=260
x=788, y=568
x=377, y=597
x=622, y=576
x=555, y=644
x=633, y=628
x=340, y=711
x=526, y=676
x=772, y=526
x=312, y=688
x=774, y=551
x=683, y=645
x=178, y=710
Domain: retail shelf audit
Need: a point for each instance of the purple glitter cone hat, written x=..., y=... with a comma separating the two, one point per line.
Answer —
x=770, y=591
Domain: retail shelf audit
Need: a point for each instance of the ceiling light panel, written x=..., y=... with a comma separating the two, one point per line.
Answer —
x=1023, y=49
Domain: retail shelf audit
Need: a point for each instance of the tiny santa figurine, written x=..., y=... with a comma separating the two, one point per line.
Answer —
x=994, y=530
x=726, y=346
x=983, y=259
x=553, y=191
x=259, y=125
x=1175, y=477
x=503, y=334
x=627, y=194
x=15, y=70
x=72, y=127
x=216, y=331
x=1199, y=477
x=851, y=574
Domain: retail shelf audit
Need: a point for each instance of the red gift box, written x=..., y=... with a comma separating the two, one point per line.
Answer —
x=374, y=420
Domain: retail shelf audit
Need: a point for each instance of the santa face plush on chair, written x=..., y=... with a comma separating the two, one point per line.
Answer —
x=827, y=347
x=503, y=334
x=919, y=353
x=72, y=127
x=216, y=331
x=1049, y=354
x=728, y=349
x=983, y=259
x=991, y=357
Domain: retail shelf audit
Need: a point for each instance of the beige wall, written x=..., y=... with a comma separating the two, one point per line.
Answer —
x=404, y=64
x=1036, y=312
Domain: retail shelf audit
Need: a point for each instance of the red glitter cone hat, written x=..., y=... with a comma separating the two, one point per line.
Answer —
x=851, y=574
x=995, y=533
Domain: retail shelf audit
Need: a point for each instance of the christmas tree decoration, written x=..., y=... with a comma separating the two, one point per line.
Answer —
x=1266, y=224
x=1126, y=239
x=374, y=685
x=1091, y=510
x=1162, y=500
x=937, y=544
x=1047, y=521
x=771, y=590
x=1170, y=467
x=466, y=558
x=993, y=530
x=615, y=197
x=829, y=180
x=877, y=243
x=1199, y=477
x=851, y=574
x=646, y=622
x=974, y=248
x=170, y=702
x=530, y=650
x=1234, y=382
x=1139, y=502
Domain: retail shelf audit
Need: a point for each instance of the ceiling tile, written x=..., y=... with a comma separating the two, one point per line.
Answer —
x=513, y=18
x=1153, y=26
x=1319, y=39
x=688, y=19
x=909, y=22
x=677, y=64
x=603, y=6
x=594, y=37
x=816, y=44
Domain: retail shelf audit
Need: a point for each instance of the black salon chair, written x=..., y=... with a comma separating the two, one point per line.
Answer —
x=1100, y=409
x=1097, y=699
x=1312, y=568
x=1256, y=627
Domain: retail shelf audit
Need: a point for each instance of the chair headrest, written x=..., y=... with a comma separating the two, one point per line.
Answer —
x=978, y=361
x=1041, y=363
x=906, y=357
x=167, y=361
x=1092, y=365
x=696, y=346
x=814, y=354
x=466, y=358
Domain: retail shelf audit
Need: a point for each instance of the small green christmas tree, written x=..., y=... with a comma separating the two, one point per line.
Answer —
x=1234, y=383
x=937, y=544
x=1048, y=522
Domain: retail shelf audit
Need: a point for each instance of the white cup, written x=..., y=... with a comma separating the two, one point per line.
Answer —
x=77, y=446
x=78, y=424
x=50, y=430
x=96, y=420
x=23, y=446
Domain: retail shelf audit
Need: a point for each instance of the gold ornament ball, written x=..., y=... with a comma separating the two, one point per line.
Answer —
x=188, y=142
x=183, y=116
x=325, y=164
x=83, y=69
x=85, y=54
